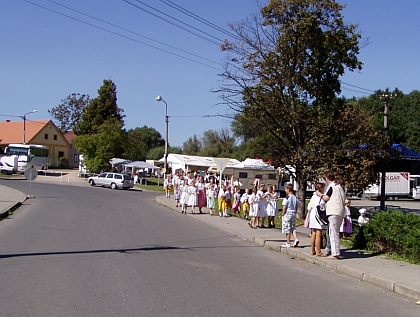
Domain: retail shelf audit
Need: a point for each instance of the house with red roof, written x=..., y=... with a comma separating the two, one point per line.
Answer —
x=42, y=132
x=74, y=156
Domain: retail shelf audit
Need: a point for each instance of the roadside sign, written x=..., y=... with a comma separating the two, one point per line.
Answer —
x=221, y=163
x=31, y=174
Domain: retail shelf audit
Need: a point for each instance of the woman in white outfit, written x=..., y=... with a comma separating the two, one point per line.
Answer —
x=315, y=227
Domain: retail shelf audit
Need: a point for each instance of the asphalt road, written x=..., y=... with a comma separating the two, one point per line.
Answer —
x=83, y=251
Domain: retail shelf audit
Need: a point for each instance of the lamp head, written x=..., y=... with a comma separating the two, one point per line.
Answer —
x=159, y=98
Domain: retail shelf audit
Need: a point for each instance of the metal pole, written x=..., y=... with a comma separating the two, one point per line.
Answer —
x=24, y=124
x=386, y=99
x=159, y=98
x=166, y=139
x=24, y=128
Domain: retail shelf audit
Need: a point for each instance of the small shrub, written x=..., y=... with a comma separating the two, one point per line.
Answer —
x=393, y=233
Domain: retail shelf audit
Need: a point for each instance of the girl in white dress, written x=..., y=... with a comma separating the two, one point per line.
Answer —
x=184, y=196
x=262, y=212
x=192, y=196
x=271, y=209
x=253, y=208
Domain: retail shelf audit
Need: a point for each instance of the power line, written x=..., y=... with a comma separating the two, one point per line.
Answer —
x=357, y=87
x=198, y=18
x=135, y=33
x=175, y=24
x=120, y=35
x=202, y=116
x=354, y=91
x=9, y=115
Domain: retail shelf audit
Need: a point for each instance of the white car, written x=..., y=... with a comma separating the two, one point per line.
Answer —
x=112, y=180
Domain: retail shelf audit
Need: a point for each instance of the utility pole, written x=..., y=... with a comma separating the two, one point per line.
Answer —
x=385, y=99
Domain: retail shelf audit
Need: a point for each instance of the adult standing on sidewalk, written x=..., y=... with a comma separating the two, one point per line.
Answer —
x=315, y=227
x=334, y=197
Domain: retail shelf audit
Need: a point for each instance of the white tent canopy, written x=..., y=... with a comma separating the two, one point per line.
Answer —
x=254, y=164
x=118, y=161
x=140, y=164
x=185, y=162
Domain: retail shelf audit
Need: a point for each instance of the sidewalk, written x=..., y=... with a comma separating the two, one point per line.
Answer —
x=9, y=199
x=399, y=277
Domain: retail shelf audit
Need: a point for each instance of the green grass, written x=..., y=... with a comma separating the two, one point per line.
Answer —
x=152, y=184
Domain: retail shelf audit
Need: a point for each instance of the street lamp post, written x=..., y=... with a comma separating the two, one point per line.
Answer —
x=24, y=124
x=159, y=98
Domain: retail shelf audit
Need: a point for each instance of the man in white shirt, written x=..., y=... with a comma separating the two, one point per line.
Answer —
x=335, y=199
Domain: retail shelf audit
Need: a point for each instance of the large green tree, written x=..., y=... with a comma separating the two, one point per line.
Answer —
x=135, y=149
x=192, y=146
x=403, y=118
x=101, y=109
x=217, y=143
x=98, y=148
x=150, y=136
x=158, y=152
x=69, y=112
x=281, y=79
x=100, y=133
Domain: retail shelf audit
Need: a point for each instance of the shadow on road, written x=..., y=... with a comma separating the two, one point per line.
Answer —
x=128, y=251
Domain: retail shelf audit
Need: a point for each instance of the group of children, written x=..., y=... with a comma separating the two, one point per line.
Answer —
x=258, y=205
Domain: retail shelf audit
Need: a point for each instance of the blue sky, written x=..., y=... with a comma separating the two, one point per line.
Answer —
x=45, y=56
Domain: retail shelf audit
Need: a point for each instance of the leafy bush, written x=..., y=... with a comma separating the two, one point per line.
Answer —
x=393, y=233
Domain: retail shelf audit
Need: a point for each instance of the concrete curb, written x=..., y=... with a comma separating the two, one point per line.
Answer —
x=336, y=266
x=12, y=206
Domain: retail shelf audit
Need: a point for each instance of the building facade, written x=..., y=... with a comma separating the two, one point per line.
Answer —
x=42, y=132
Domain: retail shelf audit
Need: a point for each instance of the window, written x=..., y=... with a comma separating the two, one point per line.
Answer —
x=110, y=175
x=46, y=136
x=118, y=176
x=55, y=137
x=243, y=175
x=272, y=176
x=76, y=158
x=60, y=154
x=259, y=176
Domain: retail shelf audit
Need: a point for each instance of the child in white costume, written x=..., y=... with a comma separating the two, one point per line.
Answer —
x=245, y=203
x=228, y=202
x=184, y=196
x=192, y=196
x=271, y=209
x=236, y=207
x=211, y=194
x=221, y=201
x=262, y=206
x=167, y=185
x=362, y=220
x=253, y=209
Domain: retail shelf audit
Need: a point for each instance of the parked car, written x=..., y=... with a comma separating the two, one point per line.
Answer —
x=112, y=180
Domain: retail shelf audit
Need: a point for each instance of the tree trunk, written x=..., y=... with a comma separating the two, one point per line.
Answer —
x=301, y=196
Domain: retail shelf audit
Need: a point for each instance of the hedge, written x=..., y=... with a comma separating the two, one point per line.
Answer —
x=393, y=233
